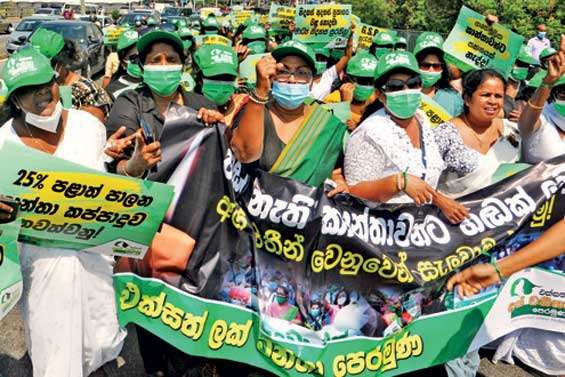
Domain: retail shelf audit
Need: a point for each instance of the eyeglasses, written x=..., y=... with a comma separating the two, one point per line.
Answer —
x=426, y=66
x=394, y=85
x=301, y=75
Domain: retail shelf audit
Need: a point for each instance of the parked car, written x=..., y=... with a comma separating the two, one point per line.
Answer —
x=104, y=20
x=6, y=26
x=172, y=11
x=47, y=12
x=174, y=19
x=138, y=15
x=23, y=30
x=89, y=37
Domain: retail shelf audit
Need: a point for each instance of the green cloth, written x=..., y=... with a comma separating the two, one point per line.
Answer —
x=394, y=60
x=310, y=156
x=215, y=60
x=48, y=42
x=127, y=39
x=363, y=64
x=293, y=47
x=27, y=67
x=254, y=32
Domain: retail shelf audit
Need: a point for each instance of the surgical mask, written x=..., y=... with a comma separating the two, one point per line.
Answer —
x=280, y=300
x=47, y=123
x=315, y=312
x=429, y=78
x=290, y=96
x=403, y=103
x=362, y=92
x=321, y=67
x=163, y=80
x=559, y=106
x=542, y=34
x=519, y=73
x=341, y=300
x=218, y=91
x=134, y=70
x=257, y=47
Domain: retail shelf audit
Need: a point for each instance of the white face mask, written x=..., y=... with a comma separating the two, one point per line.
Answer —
x=47, y=123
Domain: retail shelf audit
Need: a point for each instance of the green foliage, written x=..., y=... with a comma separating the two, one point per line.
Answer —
x=115, y=14
x=440, y=15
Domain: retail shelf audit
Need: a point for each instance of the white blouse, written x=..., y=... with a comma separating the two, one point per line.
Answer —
x=379, y=148
x=546, y=142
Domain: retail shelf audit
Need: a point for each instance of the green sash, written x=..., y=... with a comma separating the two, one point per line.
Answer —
x=310, y=156
x=66, y=94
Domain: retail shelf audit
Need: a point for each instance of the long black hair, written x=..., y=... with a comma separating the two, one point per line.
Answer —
x=443, y=82
x=473, y=79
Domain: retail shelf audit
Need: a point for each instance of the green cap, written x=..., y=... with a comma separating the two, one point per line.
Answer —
x=322, y=51
x=127, y=39
x=362, y=64
x=185, y=33
x=401, y=41
x=48, y=42
x=295, y=48
x=210, y=22
x=394, y=60
x=254, y=32
x=428, y=40
x=337, y=53
x=26, y=67
x=536, y=79
x=215, y=60
x=525, y=57
x=546, y=52
x=181, y=23
x=148, y=39
x=383, y=38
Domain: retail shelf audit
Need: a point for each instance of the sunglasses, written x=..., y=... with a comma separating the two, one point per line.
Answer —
x=427, y=66
x=396, y=85
x=362, y=80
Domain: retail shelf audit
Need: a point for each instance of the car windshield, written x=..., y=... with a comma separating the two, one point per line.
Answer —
x=69, y=31
x=131, y=19
x=170, y=12
x=44, y=11
x=29, y=25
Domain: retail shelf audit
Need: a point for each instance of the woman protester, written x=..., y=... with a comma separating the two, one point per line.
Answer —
x=68, y=303
x=127, y=53
x=161, y=57
x=542, y=122
x=255, y=38
x=524, y=68
x=434, y=73
x=278, y=130
x=67, y=57
x=488, y=141
x=393, y=156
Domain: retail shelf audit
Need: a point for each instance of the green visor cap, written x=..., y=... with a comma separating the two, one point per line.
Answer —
x=210, y=22
x=546, y=52
x=525, y=57
x=127, y=39
x=428, y=40
x=185, y=33
x=148, y=39
x=383, y=38
x=295, y=48
x=362, y=65
x=254, y=32
x=536, y=79
x=215, y=60
x=401, y=41
x=396, y=60
x=322, y=51
x=27, y=67
x=48, y=42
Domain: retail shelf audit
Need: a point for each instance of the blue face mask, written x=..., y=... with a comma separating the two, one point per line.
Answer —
x=315, y=312
x=290, y=96
x=542, y=34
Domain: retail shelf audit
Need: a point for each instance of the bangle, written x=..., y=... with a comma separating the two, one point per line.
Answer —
x=493, y=262
x=258, y=100
x=535, y=107
x=405, y=185
x=397, y=181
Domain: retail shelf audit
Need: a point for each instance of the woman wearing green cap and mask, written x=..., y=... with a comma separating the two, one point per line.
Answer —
x=542, y=123
x=393, y=156
x=434, y=73
x=127, y=53
x=161, y=57
x=255, y=38
x=68, y=303
x=523, y=70
x=286, y=136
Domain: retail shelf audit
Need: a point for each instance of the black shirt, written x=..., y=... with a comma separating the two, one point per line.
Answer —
x=121, y=83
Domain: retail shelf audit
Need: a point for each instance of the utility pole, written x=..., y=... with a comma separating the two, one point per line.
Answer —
x=82, y=9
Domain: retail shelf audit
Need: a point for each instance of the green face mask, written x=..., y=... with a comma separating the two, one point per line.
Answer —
x=519, y=73
x=257, y=47
x=163, y=80
x=280, y=300
x=379, y=51
x=559, y=105
x=187, y=44
x=429, y=79
x=134, y=70
x=218, y=91
x=363, y=92
x=404, y=103
x=321, y=67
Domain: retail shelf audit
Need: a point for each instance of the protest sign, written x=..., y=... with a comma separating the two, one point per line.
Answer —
x=10, y=271
x=435, y=113
x=477, y=44
x=207, y=11
x=291, y=281
x=280, y=16
x=364, y=34
x=325, y=24
x=213, y=39
x=247, y=68
x=63, y=204
x=240, y=17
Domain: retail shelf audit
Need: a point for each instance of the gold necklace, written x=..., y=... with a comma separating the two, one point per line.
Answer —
x=475, y=134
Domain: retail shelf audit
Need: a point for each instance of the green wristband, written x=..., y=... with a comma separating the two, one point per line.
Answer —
x=405, y=186
x=493, y=262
